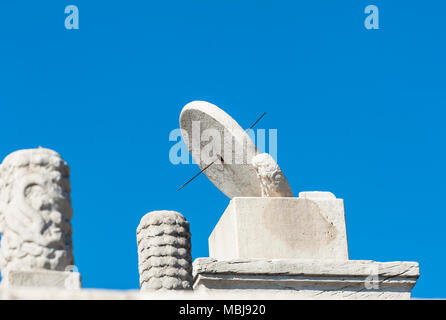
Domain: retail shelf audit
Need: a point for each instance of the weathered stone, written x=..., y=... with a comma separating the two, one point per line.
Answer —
x=35, y=212
x=317, y=195
x=212, y=136
x=307, y=279
x=273, y=182
x=281, y=228
x=164, y=251
x=43, y=278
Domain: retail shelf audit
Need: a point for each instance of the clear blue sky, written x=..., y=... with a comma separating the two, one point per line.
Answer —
x=359, y=113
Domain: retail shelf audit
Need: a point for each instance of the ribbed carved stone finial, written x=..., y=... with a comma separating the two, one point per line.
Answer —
x=164, y=251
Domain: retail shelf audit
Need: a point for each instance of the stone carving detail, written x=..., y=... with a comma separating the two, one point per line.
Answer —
x=273, y=182
x=35, y=212
x=164, y=251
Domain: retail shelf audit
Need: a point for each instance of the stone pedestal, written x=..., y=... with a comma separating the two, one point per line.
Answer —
x=42, y=278
x=306, y=279
x=294, y=248
x=309, y=227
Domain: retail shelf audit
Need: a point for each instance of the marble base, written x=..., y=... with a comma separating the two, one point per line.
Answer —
x=42, y=278
x=306, y=279
x=309, y=227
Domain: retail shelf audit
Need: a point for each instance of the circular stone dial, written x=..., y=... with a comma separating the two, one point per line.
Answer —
x=212, y=135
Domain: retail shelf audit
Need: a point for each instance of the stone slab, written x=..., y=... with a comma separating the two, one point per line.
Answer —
x=282, y=228
x=307, y=279
x=42, y=278
x=260, y=279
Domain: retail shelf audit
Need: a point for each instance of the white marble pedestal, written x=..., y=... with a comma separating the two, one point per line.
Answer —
x=306, y=279
x=309, y=227
x=294, y=248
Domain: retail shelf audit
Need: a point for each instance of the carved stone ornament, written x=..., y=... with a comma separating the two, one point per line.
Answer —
x=35, y=212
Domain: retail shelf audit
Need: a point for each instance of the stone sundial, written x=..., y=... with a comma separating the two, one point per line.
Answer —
x=228, y=156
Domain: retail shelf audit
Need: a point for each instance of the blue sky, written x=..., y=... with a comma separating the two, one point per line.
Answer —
x=359, y=113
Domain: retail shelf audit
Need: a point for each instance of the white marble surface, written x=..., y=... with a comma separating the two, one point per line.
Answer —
x=42, y=278
x=281, y=228
x=164, y=251
x=35, y=212
x=307, y=279
x=211, y=134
